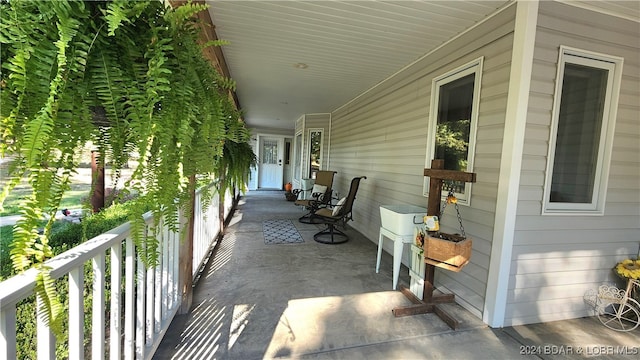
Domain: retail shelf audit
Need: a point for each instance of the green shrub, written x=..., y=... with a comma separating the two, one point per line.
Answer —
x=65, y=235
x=6, y=236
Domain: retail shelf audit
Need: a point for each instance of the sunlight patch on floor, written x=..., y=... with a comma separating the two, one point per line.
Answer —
x=317, y=324
x=239, y=322
x=202, y=334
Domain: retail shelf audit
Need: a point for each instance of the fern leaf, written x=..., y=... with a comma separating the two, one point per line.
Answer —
x=49, y=307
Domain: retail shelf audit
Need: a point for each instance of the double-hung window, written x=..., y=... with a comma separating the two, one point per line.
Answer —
x=452, y=124
x=583, y=121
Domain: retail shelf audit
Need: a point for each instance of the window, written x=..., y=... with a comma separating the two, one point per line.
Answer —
x=452, y=123
x=297, y=157
x=315, y=152
x=287, y=152
x=581, y=132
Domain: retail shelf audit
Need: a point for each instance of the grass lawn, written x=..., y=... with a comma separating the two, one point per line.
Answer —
x=72, y=199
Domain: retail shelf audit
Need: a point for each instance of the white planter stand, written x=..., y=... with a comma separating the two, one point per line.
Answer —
x=398, y=226
x=416, y=271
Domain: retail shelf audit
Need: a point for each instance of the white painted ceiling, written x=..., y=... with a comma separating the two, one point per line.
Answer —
x=347, y=46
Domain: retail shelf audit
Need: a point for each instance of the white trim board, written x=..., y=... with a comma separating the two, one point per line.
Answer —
x=511, y=163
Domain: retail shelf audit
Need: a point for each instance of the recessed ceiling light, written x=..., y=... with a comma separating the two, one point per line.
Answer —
x=300, y=65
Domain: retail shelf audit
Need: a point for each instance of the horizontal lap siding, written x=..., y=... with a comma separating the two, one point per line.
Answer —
x=557, y=259
x=383, y=134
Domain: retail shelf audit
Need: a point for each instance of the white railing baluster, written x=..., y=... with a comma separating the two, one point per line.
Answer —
x=76, y=313
x=140, y=298
x=97, y=316
x=157, y=298
x=46, y=341
x=140, y=309
x=175, y=239
x=115, y=333
x=167, y=300
x=129, y=301
x=8, y=331
x=149, y=304
x=197, y=246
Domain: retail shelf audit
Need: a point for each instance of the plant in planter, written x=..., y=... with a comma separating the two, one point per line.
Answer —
x=448, y=251
x=128, y=76
x=628, y=269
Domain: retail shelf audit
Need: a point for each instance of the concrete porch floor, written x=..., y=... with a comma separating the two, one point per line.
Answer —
x=316, y=301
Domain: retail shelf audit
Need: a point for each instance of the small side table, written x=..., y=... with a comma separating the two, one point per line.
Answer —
x=398, y=247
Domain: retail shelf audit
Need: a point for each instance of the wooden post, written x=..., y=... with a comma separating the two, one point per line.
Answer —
x=429, y=302
x=222, y=195
x=97, y=182
x=186, y=253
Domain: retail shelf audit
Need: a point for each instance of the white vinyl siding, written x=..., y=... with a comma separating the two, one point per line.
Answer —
x=556, y=259
x=382, y=134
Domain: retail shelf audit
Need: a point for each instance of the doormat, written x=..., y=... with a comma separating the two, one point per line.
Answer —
x=280, y=232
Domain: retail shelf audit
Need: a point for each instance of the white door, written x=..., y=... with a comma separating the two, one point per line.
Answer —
x=271, y=154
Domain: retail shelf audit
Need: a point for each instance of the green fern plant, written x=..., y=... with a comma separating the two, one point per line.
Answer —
x=117, y=73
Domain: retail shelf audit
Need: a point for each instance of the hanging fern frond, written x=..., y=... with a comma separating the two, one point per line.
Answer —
x=130, y=77
x=50, y=309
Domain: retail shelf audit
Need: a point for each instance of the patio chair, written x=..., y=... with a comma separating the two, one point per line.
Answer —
x=340, y=214
x=320, y=195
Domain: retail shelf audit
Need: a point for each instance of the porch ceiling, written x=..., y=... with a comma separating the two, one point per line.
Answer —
x=347, y=46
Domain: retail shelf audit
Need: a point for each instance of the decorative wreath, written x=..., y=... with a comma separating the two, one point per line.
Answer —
x=628, y=268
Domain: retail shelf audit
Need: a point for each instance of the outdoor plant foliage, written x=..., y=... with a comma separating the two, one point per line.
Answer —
x=128, y=76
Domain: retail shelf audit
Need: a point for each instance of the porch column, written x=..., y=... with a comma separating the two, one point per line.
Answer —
x=186, y=254
x=511, y=162
x=97, y=181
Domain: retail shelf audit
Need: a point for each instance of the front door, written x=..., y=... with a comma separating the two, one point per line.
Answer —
x=271, y=154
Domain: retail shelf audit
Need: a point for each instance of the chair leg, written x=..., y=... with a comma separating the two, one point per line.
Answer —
x=335, y=236
x=310, y=218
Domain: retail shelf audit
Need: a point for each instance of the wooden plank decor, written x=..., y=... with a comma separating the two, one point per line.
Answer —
x=447, y=254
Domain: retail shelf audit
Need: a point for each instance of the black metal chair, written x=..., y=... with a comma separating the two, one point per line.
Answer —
x=318, y=200
x=339, y=215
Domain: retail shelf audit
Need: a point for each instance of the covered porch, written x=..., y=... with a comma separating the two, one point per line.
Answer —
x=310, y=300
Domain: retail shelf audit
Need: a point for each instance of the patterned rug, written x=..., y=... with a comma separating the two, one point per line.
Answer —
x=280, y=232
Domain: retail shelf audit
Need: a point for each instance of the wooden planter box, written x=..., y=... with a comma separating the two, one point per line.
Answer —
x=451, y=252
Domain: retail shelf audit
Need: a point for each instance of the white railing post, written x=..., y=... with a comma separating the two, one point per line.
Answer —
x=76, y=313
x=129, y=304
x=115, y=347
x=158, y=276
x=140, y=297
x=46, y=346
x=140, y=309
x=97, y=314
x=8, y=331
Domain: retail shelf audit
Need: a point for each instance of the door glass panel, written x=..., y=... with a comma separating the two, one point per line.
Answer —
x=270, y=152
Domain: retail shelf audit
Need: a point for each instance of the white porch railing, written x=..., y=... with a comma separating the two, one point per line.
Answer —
x=142, y=302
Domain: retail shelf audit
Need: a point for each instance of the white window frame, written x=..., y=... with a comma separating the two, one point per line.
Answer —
x=472, y=67
x=605, y=145
x=298, y=155
x=308, y=149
